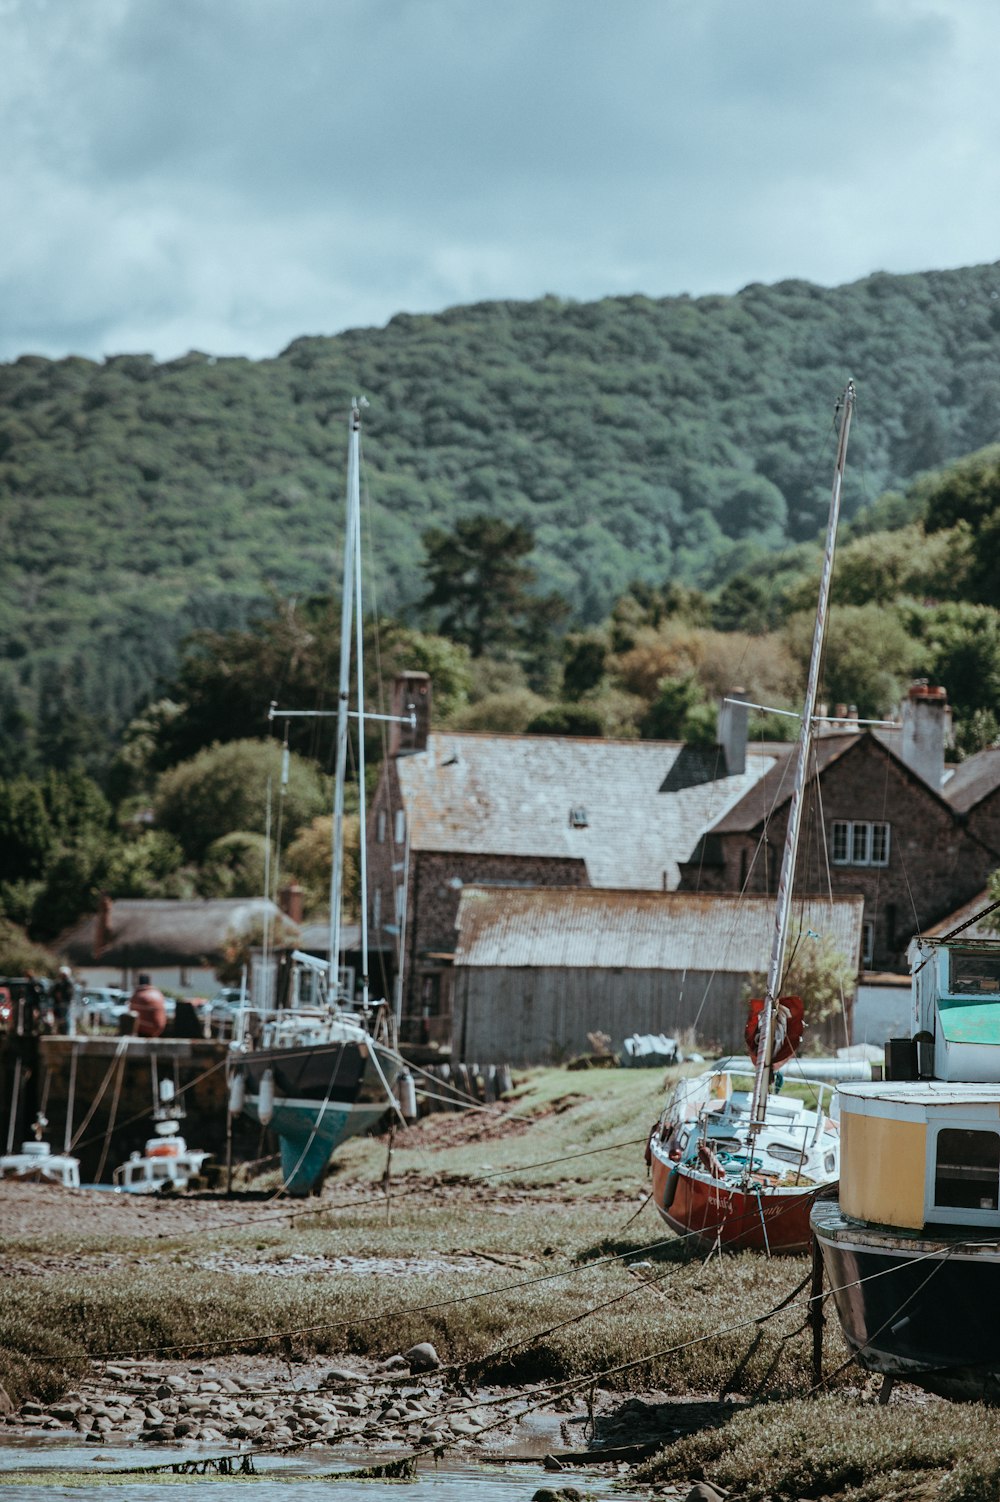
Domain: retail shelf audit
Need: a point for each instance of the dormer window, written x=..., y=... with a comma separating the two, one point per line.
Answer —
x=578, y=818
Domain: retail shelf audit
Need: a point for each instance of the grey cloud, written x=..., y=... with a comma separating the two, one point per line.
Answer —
x=257, y=169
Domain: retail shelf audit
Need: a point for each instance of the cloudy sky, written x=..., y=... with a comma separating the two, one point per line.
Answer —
x=228, y=174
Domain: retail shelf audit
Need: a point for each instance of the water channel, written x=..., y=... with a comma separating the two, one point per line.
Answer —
x=44, y=1471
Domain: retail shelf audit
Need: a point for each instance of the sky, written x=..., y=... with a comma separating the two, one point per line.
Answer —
x=227, y=175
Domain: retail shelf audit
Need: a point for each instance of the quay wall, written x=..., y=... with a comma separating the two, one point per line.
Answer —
x=106, y=1087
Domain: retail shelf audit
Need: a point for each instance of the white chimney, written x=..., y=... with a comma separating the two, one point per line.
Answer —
x=734, y=714
x=926, y=726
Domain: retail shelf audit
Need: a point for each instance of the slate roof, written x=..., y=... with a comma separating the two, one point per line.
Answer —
x=147, y=932
x=774, y=789
x=513, y=795
x=973, y=780
x=971, y=909
x=584, y=928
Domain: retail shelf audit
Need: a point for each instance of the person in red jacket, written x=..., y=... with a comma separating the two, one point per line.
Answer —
x=150, y=1009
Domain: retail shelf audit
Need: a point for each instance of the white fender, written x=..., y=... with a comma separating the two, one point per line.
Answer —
x=237, y=1094
x=265, y=1098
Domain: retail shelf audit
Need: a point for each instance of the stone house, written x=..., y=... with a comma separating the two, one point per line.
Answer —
x=453, y=809
x=883, y=818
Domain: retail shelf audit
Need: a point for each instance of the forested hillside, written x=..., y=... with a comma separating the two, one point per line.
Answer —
x=675, y=440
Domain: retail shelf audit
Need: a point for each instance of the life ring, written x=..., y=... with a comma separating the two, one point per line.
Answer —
x=788, y=1030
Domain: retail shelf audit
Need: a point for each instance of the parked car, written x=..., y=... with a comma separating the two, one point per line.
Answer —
x=101, y=1006
x=223, y=1010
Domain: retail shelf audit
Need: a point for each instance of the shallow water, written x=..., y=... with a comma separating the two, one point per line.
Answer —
x=295, y=1479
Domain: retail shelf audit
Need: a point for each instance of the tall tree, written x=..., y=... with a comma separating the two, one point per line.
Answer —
x=481, y=585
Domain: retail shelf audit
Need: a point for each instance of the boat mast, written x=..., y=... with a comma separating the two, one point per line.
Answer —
x=765, y=1060
x=352, y=538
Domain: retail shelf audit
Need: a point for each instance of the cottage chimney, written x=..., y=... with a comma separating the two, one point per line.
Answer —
x=411, y=694
x=290, y=901
x=734, y=714
x=926, y=724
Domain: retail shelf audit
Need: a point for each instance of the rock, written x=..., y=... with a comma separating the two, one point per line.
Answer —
x=422, y=1357
x=6, y=1404
x=552, y=1464
x=394, y=1363
x=704, y=1491
x=459, y=1425
x=116, y=1373
x=28, y=1409
x=557, y=1494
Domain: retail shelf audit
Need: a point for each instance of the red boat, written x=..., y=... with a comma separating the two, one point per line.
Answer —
x=705, y=1185
x=735, y=1169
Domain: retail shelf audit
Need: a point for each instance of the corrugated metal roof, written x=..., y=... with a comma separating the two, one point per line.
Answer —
x=515, y=795
x=584, y=928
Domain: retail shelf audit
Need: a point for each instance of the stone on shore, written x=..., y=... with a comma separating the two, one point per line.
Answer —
x=422, y=1357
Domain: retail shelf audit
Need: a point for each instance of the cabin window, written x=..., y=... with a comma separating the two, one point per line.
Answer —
x=974, y=974
x=967, y=1170
x=380, y=827
x=859, y=842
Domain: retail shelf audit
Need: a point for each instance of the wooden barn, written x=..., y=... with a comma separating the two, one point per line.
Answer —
x=538, y=969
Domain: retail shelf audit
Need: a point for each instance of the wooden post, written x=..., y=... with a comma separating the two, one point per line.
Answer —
x=816, y=1317
x=387, y=1176
x=229, y=1151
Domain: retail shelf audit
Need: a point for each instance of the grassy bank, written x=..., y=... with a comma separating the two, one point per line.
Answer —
x=519, y=1251
x=836, y=1447
x=542, y=1198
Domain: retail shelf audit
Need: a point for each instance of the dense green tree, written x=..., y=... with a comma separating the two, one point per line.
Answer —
x=961, y=650
x=584, y=662
x=27, y=836
x=224, y=789
x=481, y=586
x=567, y=719
x=742, y=604
x=669, y=717
x=869, y=656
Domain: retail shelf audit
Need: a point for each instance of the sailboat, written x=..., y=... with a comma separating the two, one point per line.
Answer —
x=911, y=1249
x=739, y=1169
x=322, y=1068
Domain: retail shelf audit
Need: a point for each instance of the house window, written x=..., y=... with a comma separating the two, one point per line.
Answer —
x=859, y=842
x=399, y=829
x=578, y=818
x=400, y=902
x=377, y=908
x=867, y=943
x=380, y=826
x=967, y=1170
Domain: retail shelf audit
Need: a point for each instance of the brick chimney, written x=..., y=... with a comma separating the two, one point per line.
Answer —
x=732, y=731
x=926, y=718
x=290, y=901
x=411, y=694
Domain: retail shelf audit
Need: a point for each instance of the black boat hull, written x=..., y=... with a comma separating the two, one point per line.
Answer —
x=917, y=1305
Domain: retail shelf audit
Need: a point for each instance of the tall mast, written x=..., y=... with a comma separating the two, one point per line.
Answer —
x=765, y=1057
x=352, y=541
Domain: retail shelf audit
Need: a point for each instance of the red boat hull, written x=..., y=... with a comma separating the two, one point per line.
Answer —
x=711, y=1212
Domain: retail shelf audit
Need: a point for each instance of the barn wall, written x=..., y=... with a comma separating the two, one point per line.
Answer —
x=543, y=1016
